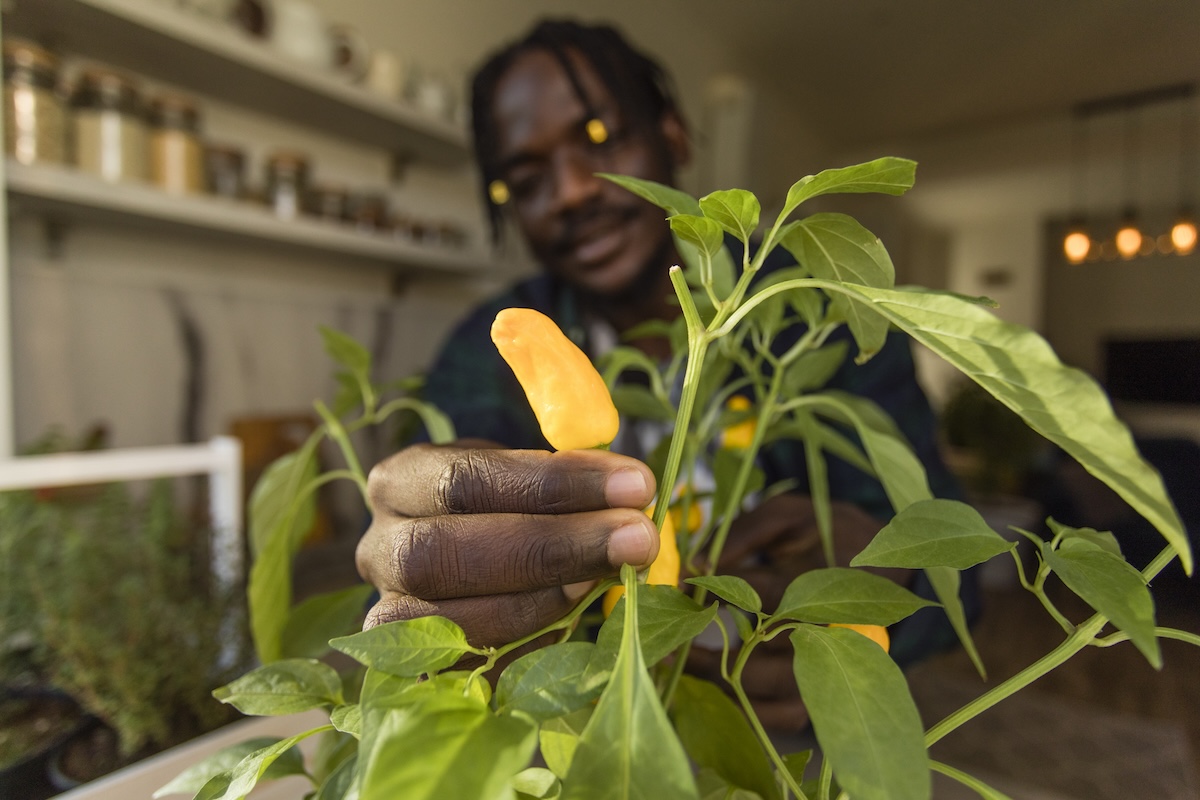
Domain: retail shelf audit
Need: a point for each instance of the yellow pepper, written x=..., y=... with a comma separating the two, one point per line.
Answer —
x=740, y=435
x=663, y=572
x=876, y=633
x=568, y=396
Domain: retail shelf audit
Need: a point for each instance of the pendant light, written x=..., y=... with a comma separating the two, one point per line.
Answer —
x=1077, y=243
x=1129, y=235
x=1183, y=232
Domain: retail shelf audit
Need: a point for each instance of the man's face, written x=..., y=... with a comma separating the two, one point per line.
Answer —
x=585, y=229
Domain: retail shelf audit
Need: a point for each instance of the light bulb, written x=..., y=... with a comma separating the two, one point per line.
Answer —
x=1076, y=246
x=1129, y=240
x=1183, y=236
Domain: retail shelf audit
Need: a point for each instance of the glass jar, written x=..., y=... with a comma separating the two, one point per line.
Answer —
x=35, y=117
x=287, y=183
x=329, y=203
x=225, y=170
x=109, y=127
x=176, y=155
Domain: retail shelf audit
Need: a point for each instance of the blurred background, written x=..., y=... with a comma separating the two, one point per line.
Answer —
x=193, y=186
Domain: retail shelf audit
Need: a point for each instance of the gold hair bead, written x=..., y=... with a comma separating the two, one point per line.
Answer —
x=597, y=131
x=498, y=191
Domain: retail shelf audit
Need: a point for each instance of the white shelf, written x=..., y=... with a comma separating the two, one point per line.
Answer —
x=65, y=195
x=208, y=57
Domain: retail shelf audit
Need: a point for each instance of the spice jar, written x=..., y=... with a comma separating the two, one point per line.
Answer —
x=328, y=203
x=35, y=119
x=287, y=183
x=225, y=170
x=369, y=212
x=176, y=155
x=109, y=126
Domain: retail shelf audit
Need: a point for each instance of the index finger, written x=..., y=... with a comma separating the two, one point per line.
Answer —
x=429, y=480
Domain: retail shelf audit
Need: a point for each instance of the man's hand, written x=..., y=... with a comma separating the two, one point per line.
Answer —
x=769, y=547
x=503, y=542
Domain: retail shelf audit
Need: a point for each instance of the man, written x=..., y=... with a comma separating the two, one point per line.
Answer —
x=504, y=541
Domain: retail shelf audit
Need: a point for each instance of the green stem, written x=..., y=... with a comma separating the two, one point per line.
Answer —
x=825, y=782
x=970, y=781
x=1162, y=633
x=337, y=432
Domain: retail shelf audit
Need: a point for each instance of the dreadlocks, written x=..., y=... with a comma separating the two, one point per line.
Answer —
x=638, y=83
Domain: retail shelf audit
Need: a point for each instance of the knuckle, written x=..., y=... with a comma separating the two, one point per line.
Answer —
x=463, y=483
x=523, y=616
x=396, y=608
x=425, y=559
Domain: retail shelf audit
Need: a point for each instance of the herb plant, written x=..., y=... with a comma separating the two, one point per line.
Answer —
x=618, y=717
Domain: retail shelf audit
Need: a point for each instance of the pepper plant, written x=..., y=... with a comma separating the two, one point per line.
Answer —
x=617, y=716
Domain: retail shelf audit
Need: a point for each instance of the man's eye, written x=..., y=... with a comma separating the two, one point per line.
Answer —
x=526, y=184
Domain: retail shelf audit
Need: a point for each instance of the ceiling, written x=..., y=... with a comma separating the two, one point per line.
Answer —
x=875, y=70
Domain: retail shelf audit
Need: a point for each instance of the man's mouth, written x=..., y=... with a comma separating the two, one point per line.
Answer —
x=594, y=239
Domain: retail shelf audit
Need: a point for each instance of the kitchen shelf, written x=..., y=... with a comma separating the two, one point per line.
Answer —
x=212, y=58
x=63, y=195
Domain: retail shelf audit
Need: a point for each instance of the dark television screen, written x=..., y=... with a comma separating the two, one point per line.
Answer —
x=1153, y=370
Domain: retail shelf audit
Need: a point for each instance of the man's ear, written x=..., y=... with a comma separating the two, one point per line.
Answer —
x=675, y=134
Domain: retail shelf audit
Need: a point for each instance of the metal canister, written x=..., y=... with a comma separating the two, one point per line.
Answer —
x=35, y=116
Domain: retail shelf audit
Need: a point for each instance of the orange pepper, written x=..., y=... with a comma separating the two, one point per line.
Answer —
x=568, y=396
x=663, y=572
x=876, y=633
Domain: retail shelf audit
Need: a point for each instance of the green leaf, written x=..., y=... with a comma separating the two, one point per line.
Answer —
x=439, y=426
x=283, y=687
x=559, y=738
x=347, y=718
x=346, y=351
x=701, y=232
x=862, y=713
x=1063, y=404
x=641, y=403
x=194, y=778
x=712, y=786
x=716, y=734
x=667, y=617
x=893, y=176
x=813, y=369
x=281, y=513
x=315, y=621
x=340, y=783
x=447, y=747
x=735, y=210
x=457, y=682
x=253, y=767
x=536, y=783
x=731, y=589
x=547, y=683
x=727, y=463
x=1072, y=537
x=933, y=533
x=796, y=763
x=946, y=582
x=841, y=594
x=1114, y=588
x=407, y=648
x=667, y=198
x=629, y=748
x=379, y=689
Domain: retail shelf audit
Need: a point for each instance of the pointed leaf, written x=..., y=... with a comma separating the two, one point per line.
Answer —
x=341, y=782
x=195, y=777
x=253, y=767
x=893, y=176
x=731, y=589
x=1064, y=404
x=536, y=783
x=316, y=620
x=933, y=533
x=862, y=713
x=946, y=582
x=629, y=749
x=735, y=210
x=407, y=648
x=703, y=233
x=668, y=618
x=716, y=734
x=559, y=737
x=841, y=594
x=547, y=683
x=346, y=351
x=1113, y=587
x=640, y=403
x=667, y=198
x=813, y=369
x=347, y=719
x=283, y=687
x=1074, y=536
x=448, y=747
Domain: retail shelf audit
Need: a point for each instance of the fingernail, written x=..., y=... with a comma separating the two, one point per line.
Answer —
x=631, y=544
x=574, y=591
x=626, y=488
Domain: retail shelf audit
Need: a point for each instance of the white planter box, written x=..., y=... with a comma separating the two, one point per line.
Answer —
x=139, y=781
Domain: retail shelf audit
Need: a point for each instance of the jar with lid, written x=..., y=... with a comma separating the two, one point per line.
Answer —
x=287, y=183
x=35, y=117
x=176, y=154
x=225, y=170
x=369, y=212
x=108, y=121
x=329, y=203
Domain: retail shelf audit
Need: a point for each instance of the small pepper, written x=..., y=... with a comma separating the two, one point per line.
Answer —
x=663, y=572
x=740, y=435
x=876, y=633
x=568, y=396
